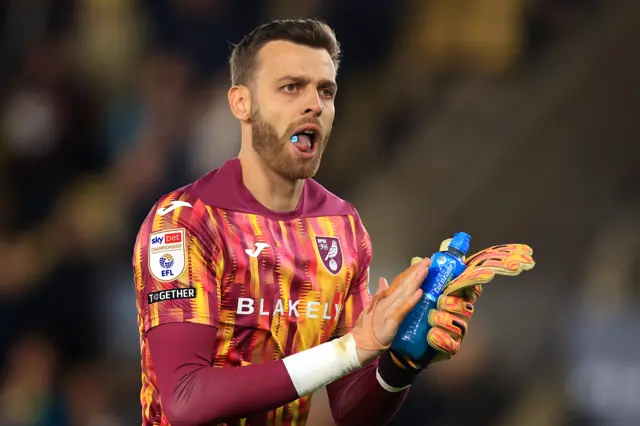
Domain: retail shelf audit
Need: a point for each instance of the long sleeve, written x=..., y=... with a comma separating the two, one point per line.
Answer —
x=193, y=392
x=360, y=399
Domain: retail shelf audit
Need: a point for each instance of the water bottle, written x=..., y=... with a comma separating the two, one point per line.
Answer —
x=411, y=339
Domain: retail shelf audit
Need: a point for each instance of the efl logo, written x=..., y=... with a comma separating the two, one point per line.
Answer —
x=175, y=237
x=167, y=254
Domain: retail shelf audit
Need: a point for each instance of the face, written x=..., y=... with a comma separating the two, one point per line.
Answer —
x=292, y=97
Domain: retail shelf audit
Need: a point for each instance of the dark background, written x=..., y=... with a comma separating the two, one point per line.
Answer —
x=514, y=120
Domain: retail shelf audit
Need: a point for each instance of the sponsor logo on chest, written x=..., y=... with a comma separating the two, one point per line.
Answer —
x=247, y=306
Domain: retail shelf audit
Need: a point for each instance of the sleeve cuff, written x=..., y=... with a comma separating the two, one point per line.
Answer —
x=392, y=377
x=386, y=386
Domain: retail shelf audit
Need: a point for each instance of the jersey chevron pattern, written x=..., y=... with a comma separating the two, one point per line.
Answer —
x=272, y=284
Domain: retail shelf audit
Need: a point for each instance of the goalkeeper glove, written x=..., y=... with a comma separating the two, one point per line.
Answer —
x=456, y=304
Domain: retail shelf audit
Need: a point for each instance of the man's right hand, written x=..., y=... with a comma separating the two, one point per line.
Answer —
x=378, y=323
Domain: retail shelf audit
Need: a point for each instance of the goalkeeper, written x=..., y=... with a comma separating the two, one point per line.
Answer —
x=252, y=282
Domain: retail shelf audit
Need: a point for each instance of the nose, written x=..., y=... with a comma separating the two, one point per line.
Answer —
x=313, y=104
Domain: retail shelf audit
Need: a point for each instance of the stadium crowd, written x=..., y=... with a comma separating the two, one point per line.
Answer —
x=105, y=106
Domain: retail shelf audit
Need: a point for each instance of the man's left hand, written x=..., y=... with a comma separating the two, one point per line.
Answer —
x=449, y=321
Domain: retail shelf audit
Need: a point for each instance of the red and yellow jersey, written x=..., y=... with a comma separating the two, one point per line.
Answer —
x=273, y=284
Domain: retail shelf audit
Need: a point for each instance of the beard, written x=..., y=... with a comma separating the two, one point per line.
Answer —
x=274, y=151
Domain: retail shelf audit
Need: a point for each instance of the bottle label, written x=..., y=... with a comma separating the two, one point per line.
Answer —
x=444, y=275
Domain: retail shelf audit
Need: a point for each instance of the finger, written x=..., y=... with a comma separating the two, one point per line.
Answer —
x=452, y=324
x=414, y=281
x=525, y=258
x=506, y=249
x=510, y=248
x=470, y=294
x=383, y=284
x=469, y=278
x=400, y=308
x=408, y=274
x=404, y=286
x=416, y=260
x=494, y=250
x=508, y=265
x=474, y=293
x=383, y=291
x=505, y=265
x=440, y=340
x=502, y=266
x=402, y=289
x=456, y=305
x=511, y=258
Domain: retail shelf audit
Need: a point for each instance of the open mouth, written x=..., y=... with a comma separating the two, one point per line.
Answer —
x=305, y=138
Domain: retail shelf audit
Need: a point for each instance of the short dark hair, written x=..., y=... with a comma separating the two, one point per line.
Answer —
x=307, y=32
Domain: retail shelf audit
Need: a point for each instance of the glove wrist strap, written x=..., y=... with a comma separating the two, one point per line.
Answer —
x=393, y=374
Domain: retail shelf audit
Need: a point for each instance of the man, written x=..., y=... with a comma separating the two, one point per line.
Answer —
x=252, y=282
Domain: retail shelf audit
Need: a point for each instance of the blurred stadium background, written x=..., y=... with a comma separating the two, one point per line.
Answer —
x=513, y=120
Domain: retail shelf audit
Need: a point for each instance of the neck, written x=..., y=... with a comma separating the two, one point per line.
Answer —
x=270, y=189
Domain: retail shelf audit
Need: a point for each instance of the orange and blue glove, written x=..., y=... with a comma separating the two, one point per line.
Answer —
x=449, y=322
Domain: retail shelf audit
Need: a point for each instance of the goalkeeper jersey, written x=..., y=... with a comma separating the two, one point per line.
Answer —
x=272, y=283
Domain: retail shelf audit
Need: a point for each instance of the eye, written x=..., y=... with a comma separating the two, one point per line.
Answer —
x=327, y=93
x=291, y=87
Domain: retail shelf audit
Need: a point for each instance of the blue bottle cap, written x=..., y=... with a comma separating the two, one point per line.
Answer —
x=460, y=242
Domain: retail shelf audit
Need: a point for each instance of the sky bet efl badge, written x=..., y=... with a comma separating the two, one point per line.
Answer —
x=167, y=254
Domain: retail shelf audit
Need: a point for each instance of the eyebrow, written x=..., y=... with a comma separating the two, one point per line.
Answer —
x=305, y=80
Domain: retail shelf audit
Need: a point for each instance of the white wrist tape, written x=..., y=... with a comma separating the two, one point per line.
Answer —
x=316, y=367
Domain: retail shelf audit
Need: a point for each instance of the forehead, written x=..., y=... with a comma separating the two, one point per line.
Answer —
x=279, y=58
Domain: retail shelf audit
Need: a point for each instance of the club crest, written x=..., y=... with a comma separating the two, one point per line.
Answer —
x=330, y=252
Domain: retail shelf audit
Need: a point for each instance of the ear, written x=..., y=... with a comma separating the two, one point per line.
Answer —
x=240, y=102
